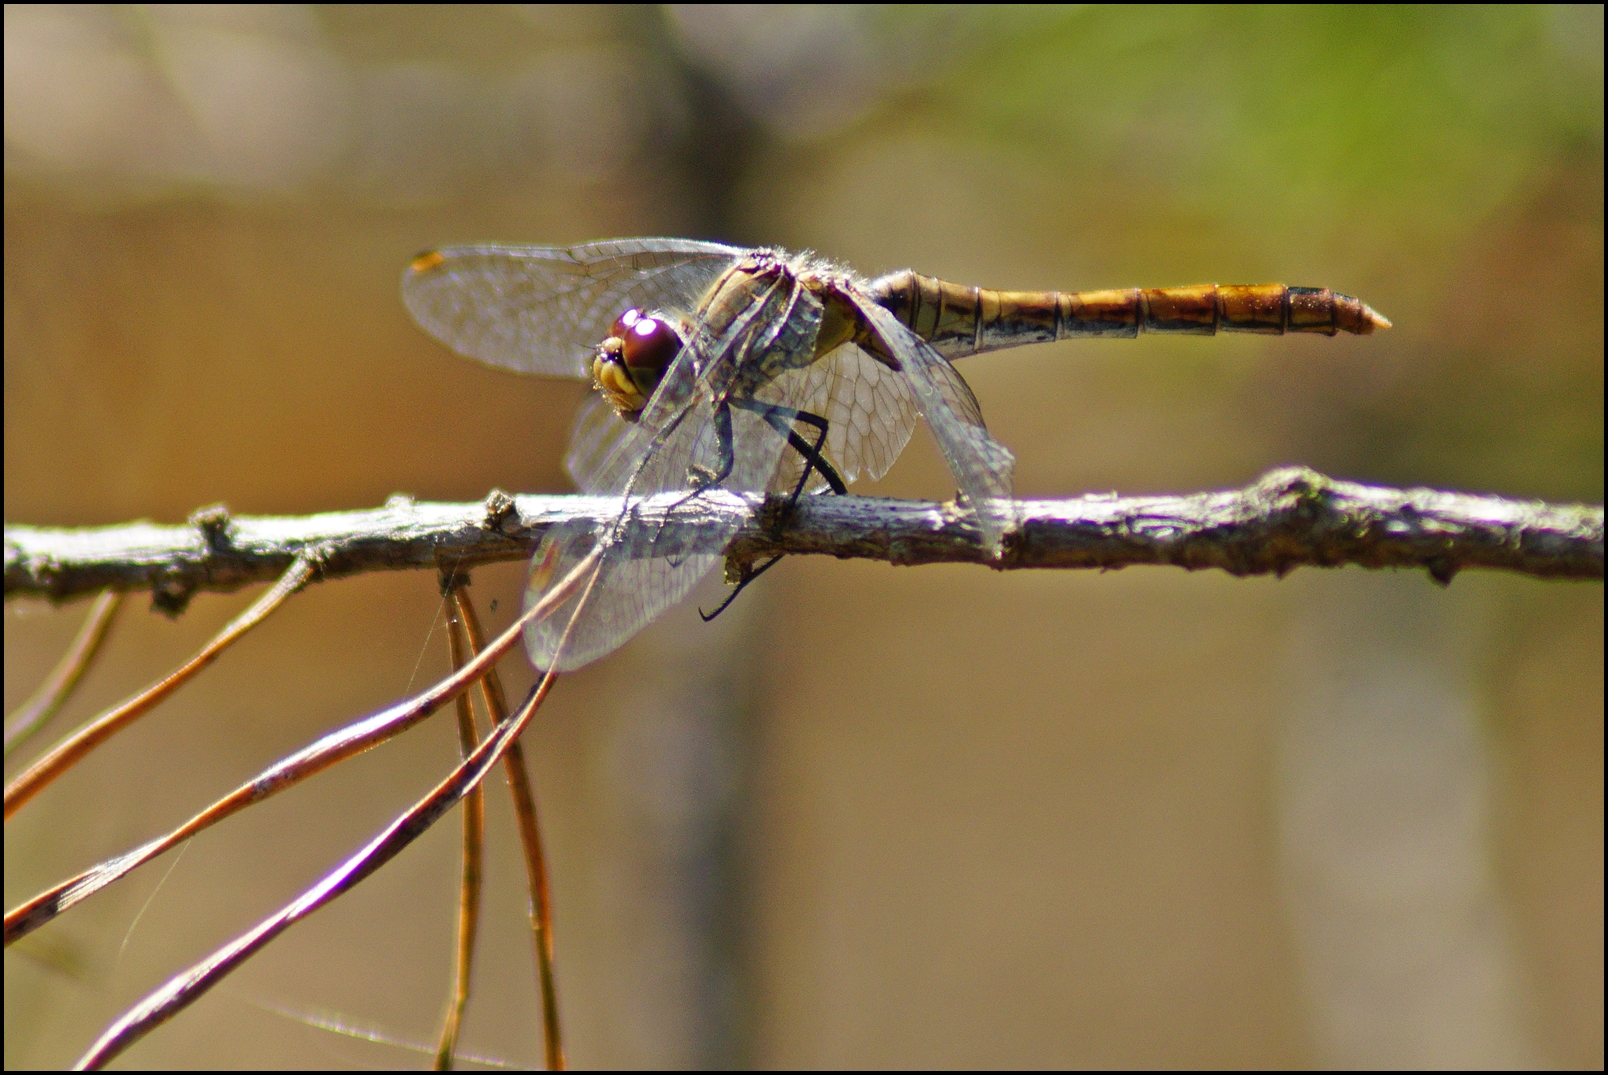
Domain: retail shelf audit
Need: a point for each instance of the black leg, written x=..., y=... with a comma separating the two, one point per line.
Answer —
x=742, y=584
x=813, y=457
x=780, y=419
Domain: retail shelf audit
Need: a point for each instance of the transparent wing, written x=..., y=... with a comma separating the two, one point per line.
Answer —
x=661, y=542
x=870, y=412
x=654, y=453
x=664, y=540
x=867, y=407
x=666, y=536
x=597, y=433
x=539, y=309
x=981, y=465
x=651, y=562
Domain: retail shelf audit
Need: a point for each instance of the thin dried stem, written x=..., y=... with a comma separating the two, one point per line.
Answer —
x=58, y=686
x=333, y=748
x=530, y=839
x=474, y=840
x=67, y=753
x=186, y=988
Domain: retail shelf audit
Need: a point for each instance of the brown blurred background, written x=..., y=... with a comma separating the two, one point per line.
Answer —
x=874, y=815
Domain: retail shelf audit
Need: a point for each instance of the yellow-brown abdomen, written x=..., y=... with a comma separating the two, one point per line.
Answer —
x=959, y=320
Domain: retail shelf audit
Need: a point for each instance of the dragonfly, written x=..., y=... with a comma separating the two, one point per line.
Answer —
x=728, y=371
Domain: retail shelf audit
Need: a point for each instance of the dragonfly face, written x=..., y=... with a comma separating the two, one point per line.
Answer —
x=631, y=362
x=729, y=371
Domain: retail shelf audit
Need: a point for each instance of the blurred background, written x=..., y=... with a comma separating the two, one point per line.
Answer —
x=873, y=815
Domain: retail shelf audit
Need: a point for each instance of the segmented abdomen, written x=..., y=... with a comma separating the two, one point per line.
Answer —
x=959, y=320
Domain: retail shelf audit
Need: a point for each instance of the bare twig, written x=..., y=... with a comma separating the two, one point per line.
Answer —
x=1289, y=518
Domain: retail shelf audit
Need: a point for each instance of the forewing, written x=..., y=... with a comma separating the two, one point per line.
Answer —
x=649, y=567
x=539, y=309
x=982, y=466
x=596, y=435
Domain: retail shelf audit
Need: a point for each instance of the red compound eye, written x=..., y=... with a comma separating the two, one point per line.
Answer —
x=650, y=344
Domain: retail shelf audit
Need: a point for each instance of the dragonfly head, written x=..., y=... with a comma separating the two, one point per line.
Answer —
x=631, y=362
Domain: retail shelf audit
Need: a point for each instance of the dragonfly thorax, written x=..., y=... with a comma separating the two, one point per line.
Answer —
x=629, y=364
